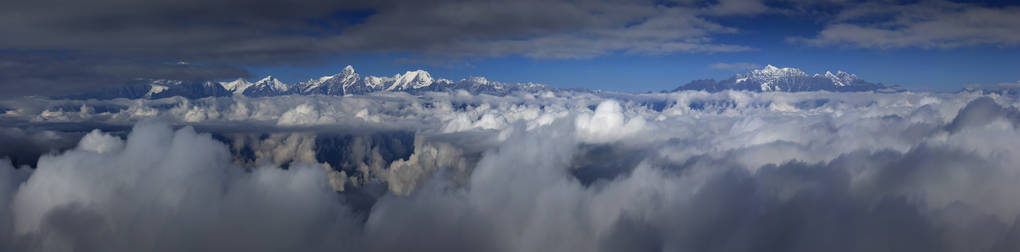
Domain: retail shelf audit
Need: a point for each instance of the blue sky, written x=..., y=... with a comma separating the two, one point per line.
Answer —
x=939, y=70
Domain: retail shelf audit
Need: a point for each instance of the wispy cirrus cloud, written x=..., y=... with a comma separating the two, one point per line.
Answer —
x=266, y=31
x=735, y=67
x=925, y=24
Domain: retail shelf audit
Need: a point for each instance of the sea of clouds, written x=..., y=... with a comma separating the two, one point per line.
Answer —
x=549, y=171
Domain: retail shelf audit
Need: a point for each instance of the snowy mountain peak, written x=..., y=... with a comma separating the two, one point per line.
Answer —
x=332, y=84
x=269, y=78
x=841, y=78
x=769, y=76
x=272, y=83
x=346, y=82
x=411, y=80
x=348, y=76
x=236, y=86
x=771, y=71
x=787, y=79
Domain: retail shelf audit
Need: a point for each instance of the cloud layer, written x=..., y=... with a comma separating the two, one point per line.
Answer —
x=271, y=31
x=733, y=171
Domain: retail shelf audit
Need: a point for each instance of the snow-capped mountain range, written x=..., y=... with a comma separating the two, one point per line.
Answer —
x=771, y=79
x=346, y=82
x=349, y=82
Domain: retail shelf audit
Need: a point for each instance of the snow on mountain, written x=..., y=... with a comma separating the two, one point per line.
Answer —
x=185, y=89
x=309, y=85
x=348, y=82
x=476, y=83
x=841, y=78
x=772, y=74
x=411, y=80
x=155, y=89
x=482, y=85
x=442, y=81
x=268, y=86
x=336, y=84
x=272, y=82
x=377, y=83
x=772, y=79
x=159, y=86
x=237, y=86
